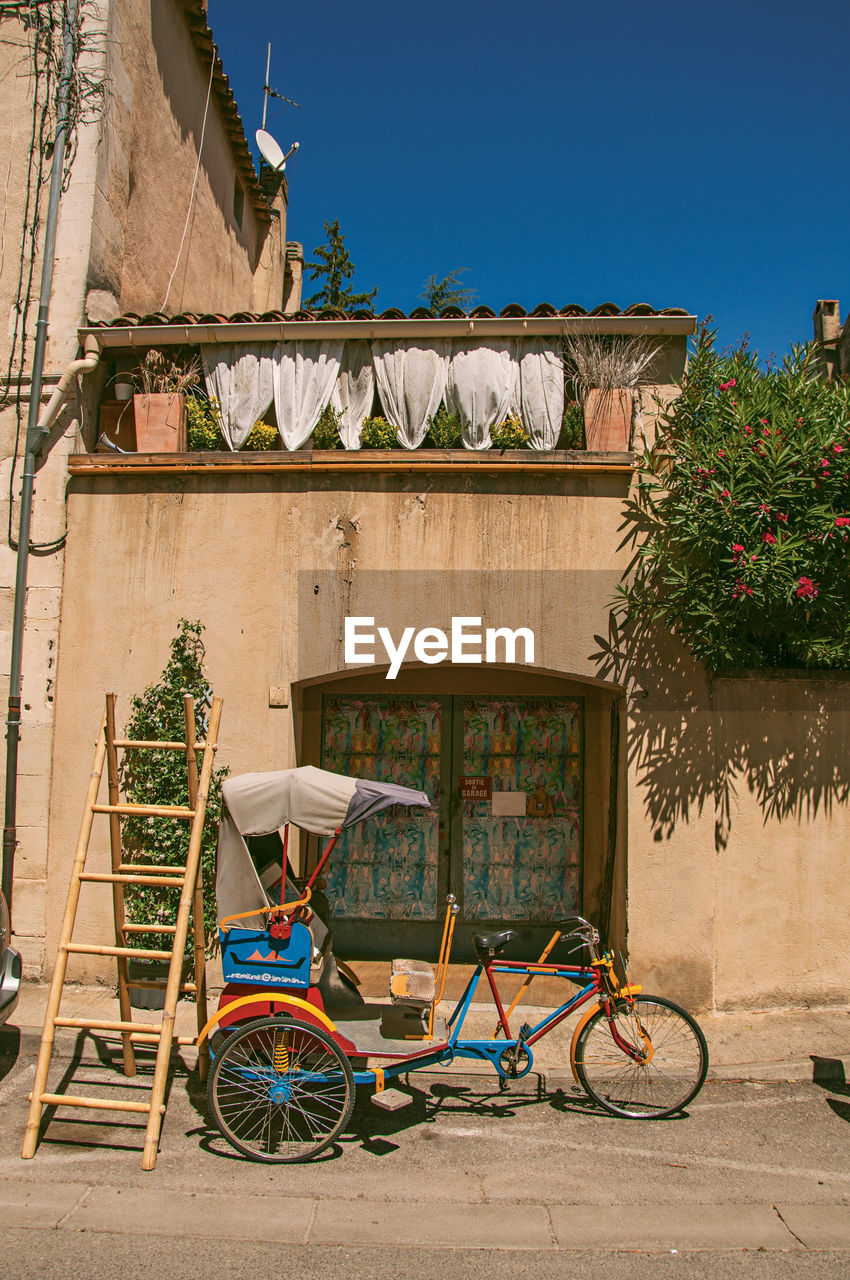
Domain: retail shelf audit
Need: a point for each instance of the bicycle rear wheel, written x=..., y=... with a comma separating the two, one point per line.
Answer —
x=673, y=1069
x=280, y=1090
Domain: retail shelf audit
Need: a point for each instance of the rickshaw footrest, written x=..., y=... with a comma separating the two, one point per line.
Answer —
x=391, y=1099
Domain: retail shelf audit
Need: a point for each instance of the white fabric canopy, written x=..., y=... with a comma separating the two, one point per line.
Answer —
x=304, y=377
x=539, y=394
x=241, y=379
x=354, y=391
x=411, y=382
x=480, y=385
x=316, y=800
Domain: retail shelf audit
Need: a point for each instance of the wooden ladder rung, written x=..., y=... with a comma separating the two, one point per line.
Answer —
x=144, y=1038
x=96, y=877
x=159, y=983
x=152, y=746
x=149, y=928
x=100, y=1104
x=145, y=810
x=100, y=1024
x=131, y=953
x=143, y=868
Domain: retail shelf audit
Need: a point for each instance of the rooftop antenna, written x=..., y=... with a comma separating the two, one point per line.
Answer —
x=269, y=92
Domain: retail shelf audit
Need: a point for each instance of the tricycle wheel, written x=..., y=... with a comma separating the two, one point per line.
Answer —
x=280, y=1090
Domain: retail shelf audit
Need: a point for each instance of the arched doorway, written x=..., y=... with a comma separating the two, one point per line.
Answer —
x=523, y=771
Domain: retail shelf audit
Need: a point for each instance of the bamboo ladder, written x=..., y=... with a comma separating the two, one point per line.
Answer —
x=187, y=878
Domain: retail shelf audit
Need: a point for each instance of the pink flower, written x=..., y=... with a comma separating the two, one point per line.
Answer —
x=782, y=517
x=748, y=430
x=807, y=590
x=737, y=549
x=764, y=508
x=763, y=421
x=741, y=589
x=765, y=431
x=768, y=537
x=824, y=462
x=842, y=521
x=836, y=448
x=725, y=493
x=721, y=453
x=725, y=386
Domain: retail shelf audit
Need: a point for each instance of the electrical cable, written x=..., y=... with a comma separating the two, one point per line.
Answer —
x=194, y=182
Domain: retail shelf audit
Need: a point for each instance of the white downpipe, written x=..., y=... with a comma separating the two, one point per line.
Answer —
x=86, y=364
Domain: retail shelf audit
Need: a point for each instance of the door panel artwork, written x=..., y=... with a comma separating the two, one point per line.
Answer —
x=526, y=865
x=386, y=868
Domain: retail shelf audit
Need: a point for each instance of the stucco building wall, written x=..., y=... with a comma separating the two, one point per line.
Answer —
x=727, y=873
x=120, y=225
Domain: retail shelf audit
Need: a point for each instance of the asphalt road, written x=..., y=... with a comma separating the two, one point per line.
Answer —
x=753, y=1182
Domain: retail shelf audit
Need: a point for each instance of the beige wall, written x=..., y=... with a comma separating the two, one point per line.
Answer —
x=120, y=224
x=146, y=167
x=737, y=914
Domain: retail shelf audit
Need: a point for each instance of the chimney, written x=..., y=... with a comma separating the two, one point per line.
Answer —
x=292, y=278
x=827, y=326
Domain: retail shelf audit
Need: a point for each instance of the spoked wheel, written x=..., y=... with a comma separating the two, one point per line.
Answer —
x=673, y=1066
x=280, y=1090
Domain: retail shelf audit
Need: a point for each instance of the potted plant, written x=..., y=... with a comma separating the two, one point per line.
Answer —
x=159, y=777
x=159, y=404
x=606, y=371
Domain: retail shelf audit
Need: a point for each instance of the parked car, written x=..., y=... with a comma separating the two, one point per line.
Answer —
x=10, y=966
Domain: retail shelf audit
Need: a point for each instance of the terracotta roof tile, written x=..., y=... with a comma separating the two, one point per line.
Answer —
x=513, y=310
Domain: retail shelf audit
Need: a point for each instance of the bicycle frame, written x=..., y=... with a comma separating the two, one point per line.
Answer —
x=594, y=980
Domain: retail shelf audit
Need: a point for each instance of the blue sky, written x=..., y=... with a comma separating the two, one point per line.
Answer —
x=681, y=155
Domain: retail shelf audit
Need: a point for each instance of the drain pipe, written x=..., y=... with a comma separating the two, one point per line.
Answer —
x=37, y=432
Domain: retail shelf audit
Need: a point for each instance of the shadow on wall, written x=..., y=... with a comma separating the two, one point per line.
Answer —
x=694, y=741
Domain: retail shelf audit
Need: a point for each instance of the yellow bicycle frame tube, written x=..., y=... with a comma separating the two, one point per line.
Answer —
x=265, y=997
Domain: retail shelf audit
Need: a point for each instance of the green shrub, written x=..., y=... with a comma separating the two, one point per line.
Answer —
x=263, y=438
x=572, y=427
x=510, y=434
x=742, y=514
x=326, y=433
x=377, y=433
x=203, y=425
x=159, y=777
x=444, y=430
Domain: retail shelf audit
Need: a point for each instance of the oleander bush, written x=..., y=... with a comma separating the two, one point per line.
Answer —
x=741, y=520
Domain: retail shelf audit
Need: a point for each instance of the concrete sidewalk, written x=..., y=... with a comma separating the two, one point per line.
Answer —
x=763, y=1044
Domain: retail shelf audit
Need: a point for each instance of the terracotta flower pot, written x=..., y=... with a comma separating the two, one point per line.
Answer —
x=160, y=423
x=608, y=420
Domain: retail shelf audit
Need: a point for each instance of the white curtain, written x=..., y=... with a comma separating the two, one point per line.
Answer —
x=354, y=391
x=241, y=379
x=411, y=383
x=304, y=377
x=480, y=386
x=539, y=394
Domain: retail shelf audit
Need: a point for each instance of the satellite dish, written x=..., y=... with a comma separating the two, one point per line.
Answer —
x=271, y=150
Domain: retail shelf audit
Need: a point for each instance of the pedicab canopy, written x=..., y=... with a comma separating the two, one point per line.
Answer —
x=258, y=804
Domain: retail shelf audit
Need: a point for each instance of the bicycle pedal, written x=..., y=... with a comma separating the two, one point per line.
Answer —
x=525, y=1031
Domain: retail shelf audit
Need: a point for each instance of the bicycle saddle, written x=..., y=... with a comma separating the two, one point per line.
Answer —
x=493, y=943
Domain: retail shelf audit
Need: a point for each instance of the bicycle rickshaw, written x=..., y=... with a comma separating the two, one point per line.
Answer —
x=293, y=1037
